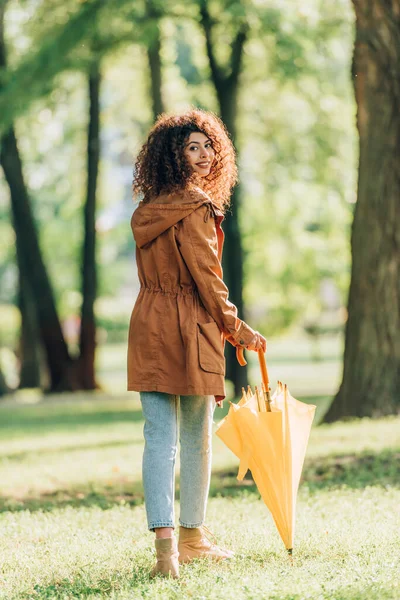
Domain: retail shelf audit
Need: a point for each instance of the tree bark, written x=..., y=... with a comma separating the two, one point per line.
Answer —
x=32, y=266
x=226, y=83
x=4, y=389
x=29, y=342
x=89, y=270
x=30, y=258
x=154, y=59
x=371, y=375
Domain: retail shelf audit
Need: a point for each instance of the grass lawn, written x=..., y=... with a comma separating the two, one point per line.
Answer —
x=72, y=520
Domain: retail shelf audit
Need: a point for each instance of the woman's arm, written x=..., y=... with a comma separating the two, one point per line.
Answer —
x=197, y=240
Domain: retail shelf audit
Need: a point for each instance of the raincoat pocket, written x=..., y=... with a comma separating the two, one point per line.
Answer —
x=211, y=351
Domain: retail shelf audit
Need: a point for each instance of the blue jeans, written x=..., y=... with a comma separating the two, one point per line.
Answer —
x=161, y=412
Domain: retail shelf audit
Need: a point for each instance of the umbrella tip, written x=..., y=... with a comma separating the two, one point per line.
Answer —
x=290, y=551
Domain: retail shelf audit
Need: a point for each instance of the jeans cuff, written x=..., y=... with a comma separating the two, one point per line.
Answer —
x=158, y=524
x=190, y=526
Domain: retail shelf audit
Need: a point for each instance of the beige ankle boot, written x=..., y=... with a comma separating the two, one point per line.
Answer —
x=199, y=542
x=167, y=558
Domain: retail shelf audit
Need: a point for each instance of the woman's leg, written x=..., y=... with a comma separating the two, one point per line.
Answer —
x=160, y=432
x=196, y=416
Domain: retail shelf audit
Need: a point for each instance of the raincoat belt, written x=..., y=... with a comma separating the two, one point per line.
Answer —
x=185, y=291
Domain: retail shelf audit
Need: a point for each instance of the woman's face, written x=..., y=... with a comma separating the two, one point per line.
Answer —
x=199, y=153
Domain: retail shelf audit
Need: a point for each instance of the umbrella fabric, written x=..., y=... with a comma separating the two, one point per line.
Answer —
x=271, y=440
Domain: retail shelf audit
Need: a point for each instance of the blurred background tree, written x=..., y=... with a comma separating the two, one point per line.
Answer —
x=228, y=27
x=280, y=77
x=36, y=299
x=66, y=372
x=371, y=376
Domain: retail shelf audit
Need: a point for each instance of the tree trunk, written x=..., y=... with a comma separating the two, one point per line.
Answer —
x=154, y=58
x=233, y=250
x=4, y=389
x=32, y=266
x=226, y=83
x=28, y=250
x=89, y=271
x=29, y=342
x=371, y=376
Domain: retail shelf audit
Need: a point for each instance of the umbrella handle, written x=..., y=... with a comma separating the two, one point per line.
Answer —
x=263, y=367
x=240, y=356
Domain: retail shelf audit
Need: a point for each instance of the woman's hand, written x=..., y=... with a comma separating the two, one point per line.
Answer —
x=257, y=343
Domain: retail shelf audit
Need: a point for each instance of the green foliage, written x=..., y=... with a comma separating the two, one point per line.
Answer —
x=36, y=73
x=9, y=323
x=297, y=143
x=296, y=134
x=116, y=328
x=298, y=162
x=65, y=36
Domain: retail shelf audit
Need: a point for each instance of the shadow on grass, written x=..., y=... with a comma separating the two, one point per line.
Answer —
x=20, y=456
x=42, y=419
x=104, y=497
x=350, y=470
x=354, y=470
x=57, y=416
x=82, y=585
x=65, y=588
x=139, y=584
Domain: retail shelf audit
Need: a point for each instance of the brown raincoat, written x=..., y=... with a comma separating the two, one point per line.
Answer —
x=182, y=313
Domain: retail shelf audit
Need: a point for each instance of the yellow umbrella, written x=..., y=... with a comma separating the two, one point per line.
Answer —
x=269, y=435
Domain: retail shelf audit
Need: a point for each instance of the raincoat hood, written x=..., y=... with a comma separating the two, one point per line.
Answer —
x=151, y=219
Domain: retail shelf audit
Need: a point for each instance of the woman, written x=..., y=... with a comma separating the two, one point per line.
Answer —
x=185, y=173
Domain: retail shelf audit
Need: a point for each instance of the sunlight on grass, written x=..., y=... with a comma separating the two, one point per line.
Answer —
x=93, y=553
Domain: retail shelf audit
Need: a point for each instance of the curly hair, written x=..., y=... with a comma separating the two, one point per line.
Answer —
x=161, y=166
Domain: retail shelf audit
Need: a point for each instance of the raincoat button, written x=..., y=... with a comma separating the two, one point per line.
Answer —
x=241, y=342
